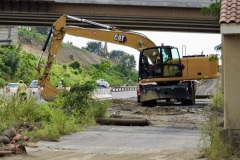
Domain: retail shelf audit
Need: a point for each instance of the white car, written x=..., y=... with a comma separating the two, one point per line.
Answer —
x=34, y=84
x=11, y=88
x=101, y=83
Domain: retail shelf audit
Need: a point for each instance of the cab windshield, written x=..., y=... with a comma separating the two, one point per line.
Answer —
x=161, y=61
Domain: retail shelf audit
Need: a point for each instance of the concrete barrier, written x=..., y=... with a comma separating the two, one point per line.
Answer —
x=102, y=94
x=35, y=93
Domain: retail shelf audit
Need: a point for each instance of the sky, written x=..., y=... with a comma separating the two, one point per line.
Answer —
x=195, y=43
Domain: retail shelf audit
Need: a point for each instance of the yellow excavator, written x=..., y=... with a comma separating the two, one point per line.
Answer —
x=171, y=78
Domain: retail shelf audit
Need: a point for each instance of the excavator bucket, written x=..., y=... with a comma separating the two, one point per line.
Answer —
x=49, y=92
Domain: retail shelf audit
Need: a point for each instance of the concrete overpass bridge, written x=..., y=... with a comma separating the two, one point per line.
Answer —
x=150, y=15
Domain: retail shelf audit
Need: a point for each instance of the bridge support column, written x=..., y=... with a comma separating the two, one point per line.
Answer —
x=231, y=84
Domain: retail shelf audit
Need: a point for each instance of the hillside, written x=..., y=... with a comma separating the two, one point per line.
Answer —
x=66, y=54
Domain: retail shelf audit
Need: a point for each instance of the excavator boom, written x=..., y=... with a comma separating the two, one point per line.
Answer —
x=103, y=33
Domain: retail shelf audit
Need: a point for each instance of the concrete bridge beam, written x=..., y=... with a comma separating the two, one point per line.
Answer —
x=166, y=16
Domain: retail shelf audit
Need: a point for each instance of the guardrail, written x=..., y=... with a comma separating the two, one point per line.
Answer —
x=121, y=89
x=134, y=88
x=102, y=94
x=99, y=93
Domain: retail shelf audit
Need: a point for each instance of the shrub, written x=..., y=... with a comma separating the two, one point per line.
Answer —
x=79, y=102
x=64, y=67
x=99, y=108
x=213, y=146
x=55, y=121
x=75, y=65
x=75, y=72
x=217, y=101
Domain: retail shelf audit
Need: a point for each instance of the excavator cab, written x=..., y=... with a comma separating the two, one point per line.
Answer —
x=171, y=77
x=160, y=62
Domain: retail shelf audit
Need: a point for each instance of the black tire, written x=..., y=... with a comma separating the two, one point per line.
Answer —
x=150, y=103
x=168, y=100
x=138, y=99
x=145, y=103
x=191, y=101
x=184, y=101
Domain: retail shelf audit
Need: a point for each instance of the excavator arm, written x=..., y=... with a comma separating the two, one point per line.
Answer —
x=103, y=33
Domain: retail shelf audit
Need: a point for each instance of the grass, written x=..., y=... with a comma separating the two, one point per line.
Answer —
x=214, y=147
x=67, y=114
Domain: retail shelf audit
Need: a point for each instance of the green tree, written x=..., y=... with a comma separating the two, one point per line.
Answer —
x=116, y=54
x=213, y=10
x=11, y=58
x=128, y=62
x=131, y=62
x=75, y=65
x=95, y=47
x=3, y=72
x=218, y=47
x=100, y=69
x=43, y=30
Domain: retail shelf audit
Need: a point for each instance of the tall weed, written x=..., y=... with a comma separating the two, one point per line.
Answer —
x=217, y=101
x=55, y=121
x=213, y=146
x=80, y=103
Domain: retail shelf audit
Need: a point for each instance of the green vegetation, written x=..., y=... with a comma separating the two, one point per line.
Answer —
x=213, y=10
x=32, y=34
x=213, y=57
x=71, y=111
x=213, y=146
x=16, y=65
x=67, y=114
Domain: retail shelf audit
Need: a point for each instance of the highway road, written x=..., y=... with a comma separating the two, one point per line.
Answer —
x=110, y=142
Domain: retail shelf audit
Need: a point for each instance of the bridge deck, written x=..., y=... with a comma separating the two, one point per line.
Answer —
x=154, y=15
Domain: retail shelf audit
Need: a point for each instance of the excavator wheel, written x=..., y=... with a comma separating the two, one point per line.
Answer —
x=193, y=93
x=184, y=102
x=150, y=103
x=138, y=99
x=192, y=101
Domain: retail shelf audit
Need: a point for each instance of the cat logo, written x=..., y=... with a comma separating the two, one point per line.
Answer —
x=120, y=38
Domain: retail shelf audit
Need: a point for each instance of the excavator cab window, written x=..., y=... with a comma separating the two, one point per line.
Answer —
x=171, y=62
x=159, y=62
x=150, y=63
x=144, y=66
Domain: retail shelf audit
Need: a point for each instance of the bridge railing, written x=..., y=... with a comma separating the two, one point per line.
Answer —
x=121, y=89
x=134, y=88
